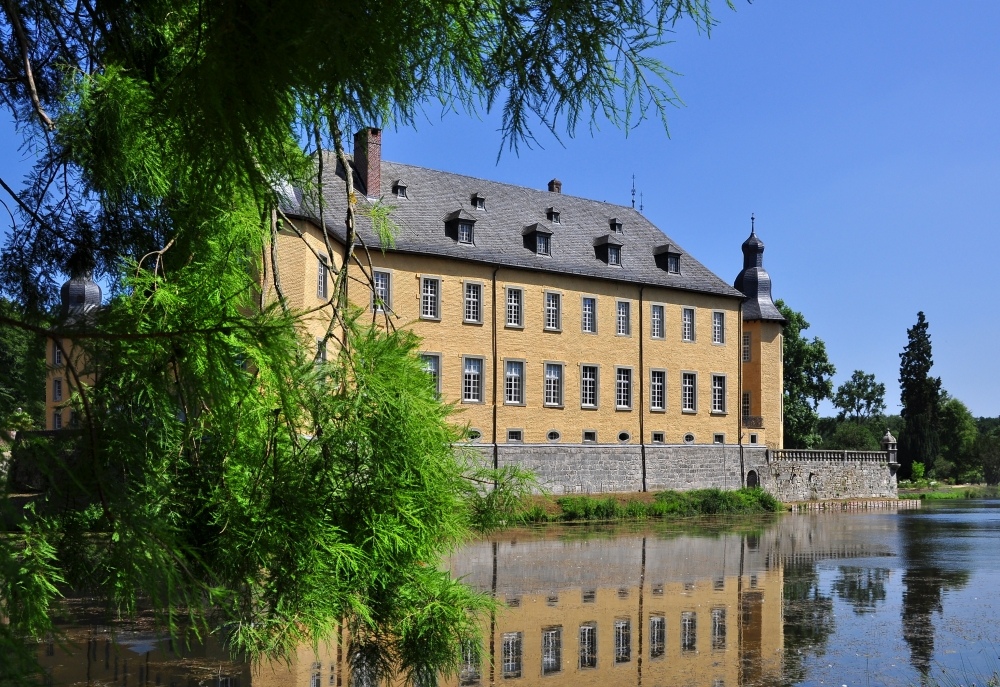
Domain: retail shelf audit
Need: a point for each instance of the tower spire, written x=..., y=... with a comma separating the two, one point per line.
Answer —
x=633, y=192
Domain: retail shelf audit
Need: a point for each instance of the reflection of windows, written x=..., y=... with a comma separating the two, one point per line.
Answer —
x=588, y=645
x=657, y=636
x=551, y=650
x=718, y=628
x=469, y=672
x=623, y=640
x=689, y=630
x=512, y=654
x=514, y=382
x=514, y=301
x=588, y=386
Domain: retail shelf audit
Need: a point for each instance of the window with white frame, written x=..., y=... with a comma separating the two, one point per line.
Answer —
x=553, y=384
x=746, y=347
x=511, y=656
x=515, y=307
x=57, y=356
x=718, y=393
x=553, y=317
x=381, y=292
x=473, y=302
x=432, y=366
x=623, y=388
x=718, y=327
x=689, y=391
x=615, y=255
x=689, y=630
x=745, y=404
x=657, y=390
x=656, y=329
x=657, y=636
x=542, y=243
x=624, y=318
x=317, y=674
x=623, y=640
x=57, y=389
x=588, y=386
x=472, y=381
x=673, y=264
x=718, y=628
x=687, y=324
x=514, y=382
x=320, y=351
x=588, y=645
x=322, y=277
x=589, y=321
x=465, y=232
x=430, y=298
x=57, y=419
x=469, y=674
x=551, y=650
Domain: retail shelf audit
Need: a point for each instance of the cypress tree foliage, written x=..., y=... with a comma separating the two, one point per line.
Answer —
x=221, y=476
x=920, y=395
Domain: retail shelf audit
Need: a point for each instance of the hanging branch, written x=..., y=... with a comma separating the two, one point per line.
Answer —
x=22, y=42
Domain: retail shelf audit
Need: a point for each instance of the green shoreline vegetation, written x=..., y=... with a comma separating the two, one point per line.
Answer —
x=664, y=504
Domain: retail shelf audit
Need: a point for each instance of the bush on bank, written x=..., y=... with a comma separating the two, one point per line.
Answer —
x=665, y=504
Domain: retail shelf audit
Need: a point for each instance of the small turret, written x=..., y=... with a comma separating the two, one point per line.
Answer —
x=81, y=294
x=755, y=282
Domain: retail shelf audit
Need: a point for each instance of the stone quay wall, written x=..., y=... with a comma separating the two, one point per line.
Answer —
x=789, y=476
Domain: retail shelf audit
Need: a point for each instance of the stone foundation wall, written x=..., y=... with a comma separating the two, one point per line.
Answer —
x=595, y=469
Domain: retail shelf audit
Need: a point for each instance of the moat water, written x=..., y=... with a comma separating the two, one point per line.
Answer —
x=861, y=598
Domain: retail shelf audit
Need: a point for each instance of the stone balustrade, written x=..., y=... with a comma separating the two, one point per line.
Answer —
x=809, y=455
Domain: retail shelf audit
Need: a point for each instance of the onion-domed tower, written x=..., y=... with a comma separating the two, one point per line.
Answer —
x=760, y=350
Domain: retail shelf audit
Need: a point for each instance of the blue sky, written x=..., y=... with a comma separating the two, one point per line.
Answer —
x=865, y=138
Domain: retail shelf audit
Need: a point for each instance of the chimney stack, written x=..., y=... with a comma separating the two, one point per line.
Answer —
x=368, y=160
x=555, y=186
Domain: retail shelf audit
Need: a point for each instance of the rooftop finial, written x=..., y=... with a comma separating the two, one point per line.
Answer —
x=633, y=192
x=751, y=223
x=640, y=202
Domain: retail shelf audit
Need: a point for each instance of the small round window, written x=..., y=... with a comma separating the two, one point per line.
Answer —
x=624, y=436
x=475, y=435
x=553, y=435
x=689, y=438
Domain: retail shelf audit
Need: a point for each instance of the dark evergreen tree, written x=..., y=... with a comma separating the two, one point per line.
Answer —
x=920, y=395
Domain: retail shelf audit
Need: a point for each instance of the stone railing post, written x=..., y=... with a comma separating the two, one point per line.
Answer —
x=889, y=446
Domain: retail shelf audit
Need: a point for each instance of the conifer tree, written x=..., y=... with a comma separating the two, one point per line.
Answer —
x=920, y=395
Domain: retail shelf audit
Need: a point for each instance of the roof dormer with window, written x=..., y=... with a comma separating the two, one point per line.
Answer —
x=460, y=226
x=538, y=239
x=478, y=201
x=552, y=215
x=608, y=249
x=668, y=258
x=616, y=226
x=399, y=188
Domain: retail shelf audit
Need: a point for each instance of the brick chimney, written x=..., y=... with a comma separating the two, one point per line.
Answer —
x=368, y=160
x=555, y=186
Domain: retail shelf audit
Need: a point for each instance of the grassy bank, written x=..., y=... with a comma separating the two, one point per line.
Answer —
x=944, y=492
x=664, y=504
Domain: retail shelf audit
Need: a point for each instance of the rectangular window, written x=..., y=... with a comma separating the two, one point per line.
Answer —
x=657, y=636
x=512, y=654
x=432, y=366
x=515, y=436
x=623, y=388
x=472, y=382
x=57, y=419
x=753, y=438
x=657, y=390
x=469, y=674
x=589, y=324
x=553, y=384
x=673, y=264
x=614, y=255
x=430, y=298
x=57, y=357
x=553, y=317
x=588, y=645
x=718, y=438
x=623, y=640
x=589, y=437
x=551, y=650
x=745, y=404
x=473, y=302
x=718, y=327
x=746, y=347
x=588, y=386
x=624, y=318
x=658, y=437
x=718, y=393
x=656, y=329
x=57, y=391
x=322, y=277
x=689, y=391
x=718, y=628
x=515, y=310
x=465, y=232
x=542, y=244
x=514, y=382
x=381, y=292
x=687, y=324
x=689, y=630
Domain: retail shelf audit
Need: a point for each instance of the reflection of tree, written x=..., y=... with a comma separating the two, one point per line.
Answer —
x=863, y=588
x=808, y=619
x=924, y=580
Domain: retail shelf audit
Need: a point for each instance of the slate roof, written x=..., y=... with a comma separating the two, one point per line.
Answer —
x=433, y=196
x=755, y=282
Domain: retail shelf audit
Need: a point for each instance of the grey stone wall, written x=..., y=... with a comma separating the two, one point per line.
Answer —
x=595, y=469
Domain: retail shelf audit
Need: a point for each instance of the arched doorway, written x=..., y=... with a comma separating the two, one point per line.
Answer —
x=752, y=480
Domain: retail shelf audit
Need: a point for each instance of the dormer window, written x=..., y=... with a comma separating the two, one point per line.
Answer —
x=615, y=255
x=399, y=188
x=465, y=234
x=542, y=244
x=478, y=201
x=674, y=264
x=609, y=250
x=553, y=216
x=538, y=238
x=668, y=258
x=616, y=226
